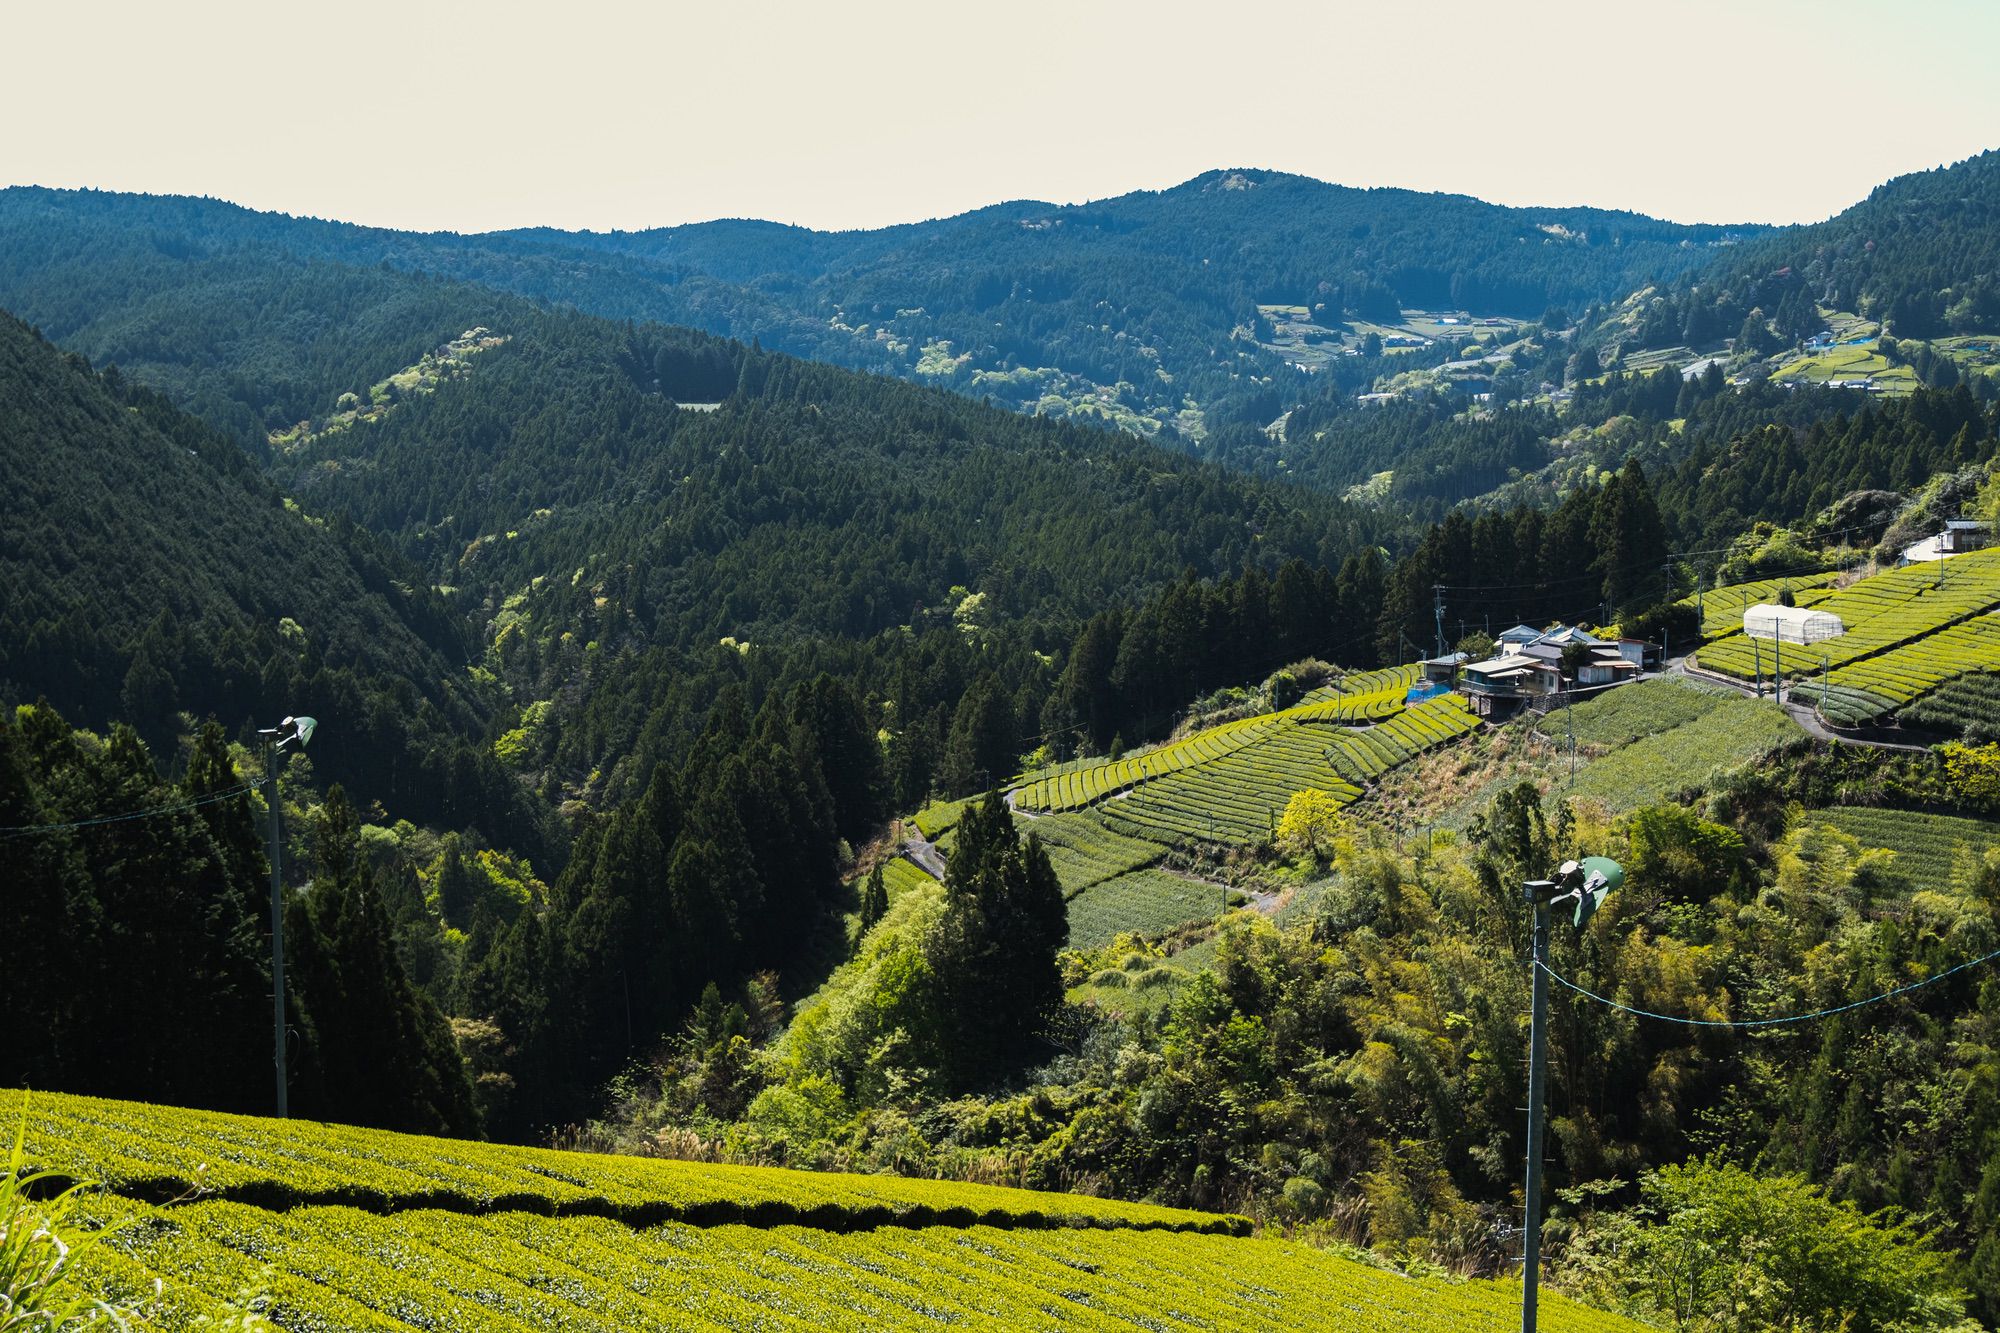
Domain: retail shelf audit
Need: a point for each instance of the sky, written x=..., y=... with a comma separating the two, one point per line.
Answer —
x=466, y=116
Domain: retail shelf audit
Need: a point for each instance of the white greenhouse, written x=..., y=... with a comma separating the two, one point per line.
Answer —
x=1791, y=624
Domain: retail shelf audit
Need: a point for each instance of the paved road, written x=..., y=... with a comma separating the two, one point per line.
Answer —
x=918, y=848
x=1802, y=713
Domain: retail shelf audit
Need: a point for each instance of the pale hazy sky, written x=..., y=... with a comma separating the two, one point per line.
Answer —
x=582, y=113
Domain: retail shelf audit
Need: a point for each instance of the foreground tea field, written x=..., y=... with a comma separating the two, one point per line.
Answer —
x=436, y=1234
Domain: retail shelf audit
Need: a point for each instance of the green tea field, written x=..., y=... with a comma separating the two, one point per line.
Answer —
x=1908, y=632
x=325, y=1228
x=1932, y=851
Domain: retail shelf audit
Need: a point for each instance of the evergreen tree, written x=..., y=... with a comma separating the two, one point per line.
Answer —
x=980, y=751
x=874, y=898
x=993, y=955
x=375, y=1051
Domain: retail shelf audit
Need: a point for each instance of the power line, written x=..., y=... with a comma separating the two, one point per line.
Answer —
x=24, y=830
x=1767, y=1022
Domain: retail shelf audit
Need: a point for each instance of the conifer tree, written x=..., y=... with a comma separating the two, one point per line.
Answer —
x=874, y=898
x=993, y=955
x=376, y=1051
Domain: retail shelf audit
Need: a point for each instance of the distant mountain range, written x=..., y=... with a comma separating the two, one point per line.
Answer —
x=1143, y=309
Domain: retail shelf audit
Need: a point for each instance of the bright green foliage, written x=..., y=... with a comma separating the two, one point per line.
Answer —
x=1974, y=773
x=1715, y=1249
x=1311, y=824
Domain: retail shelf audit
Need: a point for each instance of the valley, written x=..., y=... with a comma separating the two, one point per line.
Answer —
x=991, y=771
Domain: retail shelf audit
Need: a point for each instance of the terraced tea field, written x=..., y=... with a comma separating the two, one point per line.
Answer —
x=1231, y=782
x=1886, y=611
x=1873, y=687
x=1722, y=608
x=1932, y=851
x=1084, y=851
x=344, y=1229
x=1365, y=696
x=1643, y=708
x=1655, y=767
x=1145, y=902
x=1968, y=705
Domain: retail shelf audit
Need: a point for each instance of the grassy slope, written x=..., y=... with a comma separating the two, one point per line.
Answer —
x=1654, y=768
x=503, y=1239
x=1640, y=742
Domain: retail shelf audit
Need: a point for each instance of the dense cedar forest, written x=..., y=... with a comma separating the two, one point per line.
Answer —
x=628, y=641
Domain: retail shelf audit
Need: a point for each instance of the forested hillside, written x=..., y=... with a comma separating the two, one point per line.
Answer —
x=733, y=755
x=151, y=571
x=1921, y=254
x=1142, y=309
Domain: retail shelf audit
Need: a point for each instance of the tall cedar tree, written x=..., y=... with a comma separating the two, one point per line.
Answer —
x=135, y=967
x=993, y=955
x=375, y=1050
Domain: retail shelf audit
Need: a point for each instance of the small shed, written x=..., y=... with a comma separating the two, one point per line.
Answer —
x=1442, y=670
x=1962, y=535
x=1791, y=624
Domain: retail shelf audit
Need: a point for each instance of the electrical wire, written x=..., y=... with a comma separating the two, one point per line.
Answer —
x=1768, y=1022
x=25, y=830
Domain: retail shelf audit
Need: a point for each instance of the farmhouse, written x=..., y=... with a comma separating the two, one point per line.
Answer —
x=1530, y=661
x=1499, y=685
x=1791, y=624
x=1962, y=535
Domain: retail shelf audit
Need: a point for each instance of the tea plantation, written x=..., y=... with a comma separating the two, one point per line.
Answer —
x=328, y=1228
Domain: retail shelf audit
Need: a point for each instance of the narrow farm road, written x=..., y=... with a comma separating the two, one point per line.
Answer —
x=919, y=849
x=1804, y=714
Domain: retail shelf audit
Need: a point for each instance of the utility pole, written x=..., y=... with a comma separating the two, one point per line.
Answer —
x=1437, y=603
x=1758, y=649
x=1824, y=671
x=277, y=921
x=1569, y=720
x=1587, y=881
x=299, y=730
x=1540, y=892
